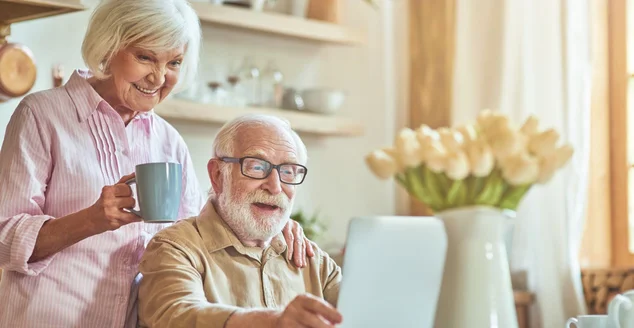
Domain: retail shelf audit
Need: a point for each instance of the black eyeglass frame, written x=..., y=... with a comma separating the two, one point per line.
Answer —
x=271, y=168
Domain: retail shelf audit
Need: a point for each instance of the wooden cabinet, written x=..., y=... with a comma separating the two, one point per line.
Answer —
x=13, y=11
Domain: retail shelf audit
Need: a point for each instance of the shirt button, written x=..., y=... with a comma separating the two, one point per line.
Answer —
x=121, y=299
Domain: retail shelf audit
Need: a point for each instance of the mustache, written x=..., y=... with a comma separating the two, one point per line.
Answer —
x=260, y=196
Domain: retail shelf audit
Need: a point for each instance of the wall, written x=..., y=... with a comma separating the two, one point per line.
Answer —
x=339, y=184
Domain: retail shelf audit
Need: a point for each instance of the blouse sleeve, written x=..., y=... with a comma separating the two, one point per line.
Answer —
x=25, y=166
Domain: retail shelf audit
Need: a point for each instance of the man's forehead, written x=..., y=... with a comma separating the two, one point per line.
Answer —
x=271, y=154
x=272, y=143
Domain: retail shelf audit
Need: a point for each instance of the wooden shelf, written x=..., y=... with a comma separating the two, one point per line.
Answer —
x=275, y=23
x=327, y=125
x=13, y=11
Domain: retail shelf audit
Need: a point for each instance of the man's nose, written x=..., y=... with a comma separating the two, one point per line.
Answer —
x=272, y=183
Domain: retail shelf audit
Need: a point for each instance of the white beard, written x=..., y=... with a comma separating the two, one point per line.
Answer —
x=240, y=218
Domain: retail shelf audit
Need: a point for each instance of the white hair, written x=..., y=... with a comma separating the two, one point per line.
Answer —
x=224, y=143
x=156, y=25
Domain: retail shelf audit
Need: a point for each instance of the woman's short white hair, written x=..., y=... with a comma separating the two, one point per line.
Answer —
x=156, y=25
x=224, y=143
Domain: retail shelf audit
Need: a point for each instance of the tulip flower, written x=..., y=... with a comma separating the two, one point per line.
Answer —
x=382, y=164
x=480, y=158
x=530, y=126
x=506, y=142
x=468, y=132
x=408, y=148
x=451, y=139
x=457, y=165
x=520, y=169
x=544, y=143
x=552, y=162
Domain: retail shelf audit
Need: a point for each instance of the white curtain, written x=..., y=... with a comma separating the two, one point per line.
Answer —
x=533, y=57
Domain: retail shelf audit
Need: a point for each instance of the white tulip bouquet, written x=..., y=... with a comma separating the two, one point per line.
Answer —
x=489, y=162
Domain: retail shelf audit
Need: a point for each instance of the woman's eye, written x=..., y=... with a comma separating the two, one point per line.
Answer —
x=143, y=57
x=176, y=63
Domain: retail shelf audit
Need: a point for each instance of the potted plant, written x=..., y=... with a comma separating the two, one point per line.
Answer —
x=473, y=177
x=312, y=225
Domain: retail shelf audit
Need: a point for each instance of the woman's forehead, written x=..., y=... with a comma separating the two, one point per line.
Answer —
x=159, y=51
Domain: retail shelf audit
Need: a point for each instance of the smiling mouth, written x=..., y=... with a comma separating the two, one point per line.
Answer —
x=146, y=91
x=266, y=206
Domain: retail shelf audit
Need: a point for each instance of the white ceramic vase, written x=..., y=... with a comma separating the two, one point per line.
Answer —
x=476, y=289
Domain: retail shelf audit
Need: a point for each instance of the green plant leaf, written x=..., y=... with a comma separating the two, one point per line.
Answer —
x=513, y=196
x=433, y=187
x=475, y=186
x=498, y=191
x=444, y=182
x=457, y=194
x=313, y=226
x=490, y=190
x=415, y=181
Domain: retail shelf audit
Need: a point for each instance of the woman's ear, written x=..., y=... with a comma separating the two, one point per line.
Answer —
x=215, y=175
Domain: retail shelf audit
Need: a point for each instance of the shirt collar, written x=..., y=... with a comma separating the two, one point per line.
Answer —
x=87, y=100
x=217, y=235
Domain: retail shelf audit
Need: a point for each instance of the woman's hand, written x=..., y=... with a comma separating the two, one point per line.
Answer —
x=108, y=212
x=298, y=245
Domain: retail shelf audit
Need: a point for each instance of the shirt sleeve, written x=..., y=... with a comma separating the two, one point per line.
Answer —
x=331, y=273
x=171, y=291
x=25, y=166
x=192, y=199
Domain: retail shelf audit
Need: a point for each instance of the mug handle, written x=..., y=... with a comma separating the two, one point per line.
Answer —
x=620, y=301
x=129, y=183
x=571, y=321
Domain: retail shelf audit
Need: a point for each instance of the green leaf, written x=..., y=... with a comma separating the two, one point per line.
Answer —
x=433, y=186
x=444, y=183
x=402, y=180
x=491, y=189
x=513, y=196
x=415, y=181
x=498, y=191
x=457, y=194
x=313, y=225
x=475, y=186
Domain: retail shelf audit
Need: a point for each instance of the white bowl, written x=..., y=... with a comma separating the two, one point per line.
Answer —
x=324, y=101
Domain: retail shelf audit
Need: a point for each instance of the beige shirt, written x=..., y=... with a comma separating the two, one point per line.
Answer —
x=196, y=273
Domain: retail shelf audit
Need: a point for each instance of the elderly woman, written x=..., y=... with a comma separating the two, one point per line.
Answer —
x=68, y=247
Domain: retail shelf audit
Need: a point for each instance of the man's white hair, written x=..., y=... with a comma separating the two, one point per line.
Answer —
x=156, y=25
x=224, y=143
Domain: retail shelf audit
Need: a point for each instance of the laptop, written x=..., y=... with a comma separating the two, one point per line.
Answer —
x=392, y=272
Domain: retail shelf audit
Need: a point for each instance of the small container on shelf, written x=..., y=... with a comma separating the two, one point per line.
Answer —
x=216, y=94
x=271, y=86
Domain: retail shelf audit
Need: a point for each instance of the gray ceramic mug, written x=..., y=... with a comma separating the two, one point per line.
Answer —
x=158, y=187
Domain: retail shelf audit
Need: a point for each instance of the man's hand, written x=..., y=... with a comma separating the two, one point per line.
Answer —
x=308, y=311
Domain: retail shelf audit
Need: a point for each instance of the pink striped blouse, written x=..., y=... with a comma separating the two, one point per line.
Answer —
x=61, y=147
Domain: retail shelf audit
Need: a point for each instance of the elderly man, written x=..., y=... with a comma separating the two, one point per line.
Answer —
x=228, y=267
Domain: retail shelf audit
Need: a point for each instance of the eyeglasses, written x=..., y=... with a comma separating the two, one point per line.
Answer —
x=257, y=168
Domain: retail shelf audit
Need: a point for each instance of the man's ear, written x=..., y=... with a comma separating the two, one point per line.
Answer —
x=215, y=175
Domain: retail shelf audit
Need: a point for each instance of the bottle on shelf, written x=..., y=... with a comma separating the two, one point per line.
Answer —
x=271, y=86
